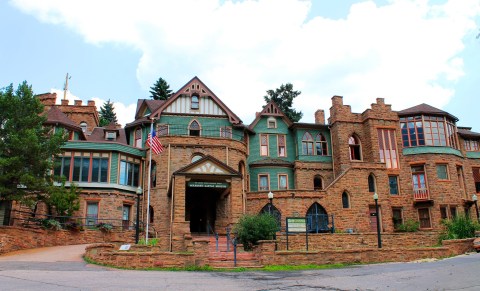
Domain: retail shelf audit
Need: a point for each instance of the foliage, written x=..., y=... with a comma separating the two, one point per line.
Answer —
x=252, y=228
x=64, y=201
x=107, y=114
x=459, y=227
x=151, y=242
x=409, y=225
x=74, y=226
x=160, y=90
x=26, y=146
x=283, y=97
x=51, y=224
x=105, y=227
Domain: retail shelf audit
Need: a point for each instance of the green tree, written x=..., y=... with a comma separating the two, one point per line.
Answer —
x=283, y=97
x=26, y=146
x=160, y=90
x=107, y=114
x=64, y=201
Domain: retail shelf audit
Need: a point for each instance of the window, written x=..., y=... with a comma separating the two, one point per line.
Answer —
x=129, y=173
x=282, y=181
x=263, y=183
x=476, y=178
x=226, y=132
x=81, y=167
x=453, y=211
x=419, y=182
x=443, y=212
x=271, y=209
x=317, y=182
x=99, y=169
x=263, y=144
x=317, y=219
x=471, y=145
x=196, y=157
x=388, y=147
x=321, y=145
x=345, y=200
x=138, y=137
x=162, y=129
x=272, y=122
x=194, y=102
x=83, y=125
x=354, y=146
x=62, y=167
x=393, y=184
x=307, y=144
x=92, y=214
x=461, y=180
x=424, y=217
x=371, y=183
x=282, y=152
x=442, y=172
x=397, y=217
x=194, y=128
x=151, y=214
x=126, y=216
x=428, y=131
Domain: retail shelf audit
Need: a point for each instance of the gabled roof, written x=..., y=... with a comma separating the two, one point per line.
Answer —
x=56, y=116
x=204, y=91
x=425, y=109
x=208, y=165
x=143, y=104
x=466, y=132
x=271, y=109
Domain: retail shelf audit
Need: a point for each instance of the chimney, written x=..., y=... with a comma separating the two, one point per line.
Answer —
x=320, y=116
x=78, y=102
x=48, y=99
x=90, y=103
x=381, y=101
x=337, y=100
x=64, y=101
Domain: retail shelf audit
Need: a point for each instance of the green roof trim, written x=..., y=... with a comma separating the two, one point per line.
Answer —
x=431, y=150
x=473, y=155
x=111, y=147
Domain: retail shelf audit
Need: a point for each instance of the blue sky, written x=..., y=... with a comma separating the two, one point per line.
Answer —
x=408, y=52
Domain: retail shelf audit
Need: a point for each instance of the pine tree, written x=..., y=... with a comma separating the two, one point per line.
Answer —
x=283, y=97
x=160, y=90
x=107, y=114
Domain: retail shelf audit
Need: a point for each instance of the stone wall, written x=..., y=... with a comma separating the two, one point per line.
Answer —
x=15, y=238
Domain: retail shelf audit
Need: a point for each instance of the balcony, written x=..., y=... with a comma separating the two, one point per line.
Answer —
x=421, y=194
x=205, y=131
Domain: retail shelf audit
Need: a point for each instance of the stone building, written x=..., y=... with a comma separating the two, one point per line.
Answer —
x=213, y=168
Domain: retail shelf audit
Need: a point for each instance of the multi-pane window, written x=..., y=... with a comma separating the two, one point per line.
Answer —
x=194, y=129
x=418, y=178
x=424, y=217
x=162, y=130
x=472, y=145
x=80, y=168
x=307, y=144
x=138, y=137
x=443, y=212
x=263, y=144
x=476, y=179
x=388, y=147
x=428, y=131
x=282, y=181
x=453, y=211
x=282, y=152
x=99, y=169
x=194, y=103
x=272, y=122
x=321, y=145
x=442, y=172
x=92, y=214
x=397, y=217
x=263, y=183
x=393, y=184
x=226, y=132
x=354, y=146
x=129, y=173
x=62, y=167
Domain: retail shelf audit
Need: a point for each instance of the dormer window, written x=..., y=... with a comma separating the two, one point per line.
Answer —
x=110, y=135
x=272, y=122
x=194, y=102
x=83, y=125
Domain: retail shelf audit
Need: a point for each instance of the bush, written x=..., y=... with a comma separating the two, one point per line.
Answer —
x=409, y=225
x=105, y=227
x=51, y=224
x=151, y=242
x=74, y=226
x=458, y=227
x=252, y=228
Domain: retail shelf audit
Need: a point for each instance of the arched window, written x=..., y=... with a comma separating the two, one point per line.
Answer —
x=194, y=128
x=196, y=157
x=307, y=144
x=271, y=209
x=345, y=200
x=151, y=214
x=83, y=125
x=317, y=219
x=355, y=150
x=194, y=103
x=317, y=182
x=371, y=183
x=138, y=137
x=321, y=145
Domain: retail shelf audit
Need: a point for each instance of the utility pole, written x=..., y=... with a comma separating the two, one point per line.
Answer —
x=65, y=88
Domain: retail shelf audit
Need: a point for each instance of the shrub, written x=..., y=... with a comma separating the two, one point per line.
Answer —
x=151, y=242
x=458, y=227
x=51, y=224
x=74, y=226
x=252, y=228
x=105, y=227
x=409, y=225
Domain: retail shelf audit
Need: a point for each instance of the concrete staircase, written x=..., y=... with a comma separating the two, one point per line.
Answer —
x=224, y=259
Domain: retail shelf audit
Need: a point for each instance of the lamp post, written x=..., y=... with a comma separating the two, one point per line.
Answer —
x=270, y=206
x=475, y=198
x=137, y=224
x=379, y=236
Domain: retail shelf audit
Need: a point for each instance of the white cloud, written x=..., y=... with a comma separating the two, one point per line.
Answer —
x=405, y=51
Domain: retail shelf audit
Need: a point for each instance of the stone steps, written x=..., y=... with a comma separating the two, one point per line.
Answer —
x=222, y=259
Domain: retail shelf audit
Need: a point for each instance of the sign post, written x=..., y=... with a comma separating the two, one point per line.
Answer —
x=297, y=225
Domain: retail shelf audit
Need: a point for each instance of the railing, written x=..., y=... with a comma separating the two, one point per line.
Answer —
x=205, y=131
x=420, y=194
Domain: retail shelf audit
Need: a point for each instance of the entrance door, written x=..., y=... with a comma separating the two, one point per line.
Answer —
x=373, y=218
x=201, y=208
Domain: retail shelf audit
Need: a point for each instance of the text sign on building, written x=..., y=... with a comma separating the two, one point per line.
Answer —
x=296, y=224
x=207, y=185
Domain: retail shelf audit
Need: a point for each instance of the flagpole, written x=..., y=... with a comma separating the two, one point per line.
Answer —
x=148, y=192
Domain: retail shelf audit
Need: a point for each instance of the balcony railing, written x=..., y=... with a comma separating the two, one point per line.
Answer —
x=205, y=131
x=421, y=194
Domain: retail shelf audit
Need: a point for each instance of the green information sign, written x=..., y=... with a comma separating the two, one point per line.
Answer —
x=207, y=185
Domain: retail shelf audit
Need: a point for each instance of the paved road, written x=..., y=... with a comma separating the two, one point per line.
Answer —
x=61, y=268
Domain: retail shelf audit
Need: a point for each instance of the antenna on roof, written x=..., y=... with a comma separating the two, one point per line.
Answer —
x=65, y=88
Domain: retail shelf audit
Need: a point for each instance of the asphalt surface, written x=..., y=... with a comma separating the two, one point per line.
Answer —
x=62, y=268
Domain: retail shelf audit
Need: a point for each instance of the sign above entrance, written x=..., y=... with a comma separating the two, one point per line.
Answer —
x=207, y=184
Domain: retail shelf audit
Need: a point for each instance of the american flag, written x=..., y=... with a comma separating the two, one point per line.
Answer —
x=154, y=143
